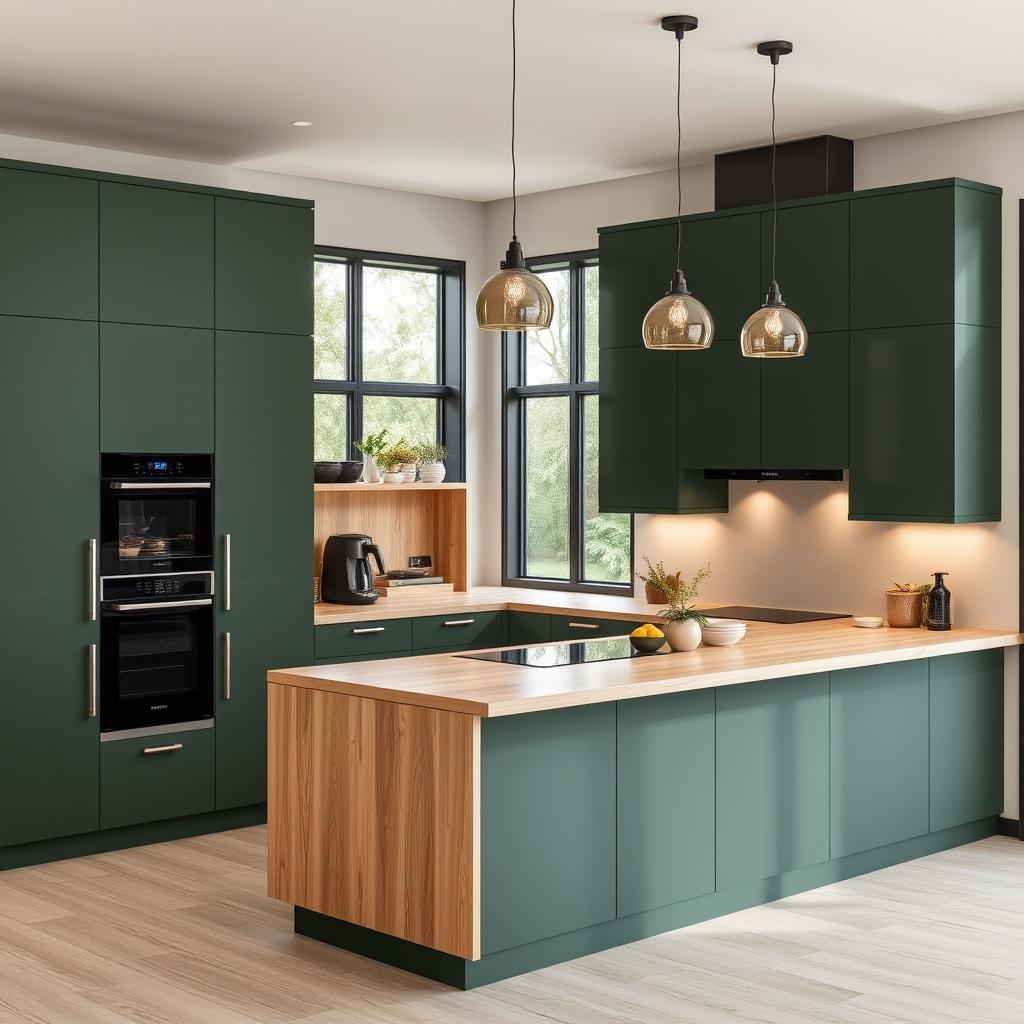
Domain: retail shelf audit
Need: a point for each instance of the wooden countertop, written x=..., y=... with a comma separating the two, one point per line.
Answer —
x=769, y=651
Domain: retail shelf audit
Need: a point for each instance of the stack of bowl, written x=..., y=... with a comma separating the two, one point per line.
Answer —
x=722, y=632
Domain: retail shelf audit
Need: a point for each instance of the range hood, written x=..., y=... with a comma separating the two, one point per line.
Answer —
x=774, y=474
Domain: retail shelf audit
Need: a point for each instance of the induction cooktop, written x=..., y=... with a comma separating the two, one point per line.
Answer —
x=739, y=611
x=610, y=648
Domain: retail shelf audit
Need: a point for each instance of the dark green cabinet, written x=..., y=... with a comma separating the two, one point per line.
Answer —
x=666, y=800
x=264, y=515
x=525, y=628
x=48, y=245
x=156, y=256
x=966, y=733
x=364, y=639
x=49, y=749
x=264, y=267
x=925, y=424
x=584, y=627
x=771, y=778
x=156, y=389
x=169, y=775
x=547, y=808
x=458, y=631
x=879, y=740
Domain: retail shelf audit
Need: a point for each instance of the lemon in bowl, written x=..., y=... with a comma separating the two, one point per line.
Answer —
x=646, y=639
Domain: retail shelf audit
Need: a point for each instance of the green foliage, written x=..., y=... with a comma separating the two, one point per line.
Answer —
x=659, y=579
x=373, y=446
x=606, y=543
x=429, y=451
x=401, y=453
x=681, y=606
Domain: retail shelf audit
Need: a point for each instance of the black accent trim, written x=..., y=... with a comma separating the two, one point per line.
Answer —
x=1009, y=827
x=679, y=24
x=774, y=474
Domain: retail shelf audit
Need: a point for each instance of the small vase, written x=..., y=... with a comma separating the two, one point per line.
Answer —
x=396, y=477
x=371, y=471
x=683, y=635
x=432, y=472
x=903, y=609
x=408, y=472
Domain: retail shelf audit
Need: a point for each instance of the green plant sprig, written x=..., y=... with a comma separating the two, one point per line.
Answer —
x=430, y=451
x=373, y=446
x=659, y=579
x=681, y=606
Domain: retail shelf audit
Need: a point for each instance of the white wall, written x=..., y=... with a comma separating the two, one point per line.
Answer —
x=790, y=544
x=366, y=218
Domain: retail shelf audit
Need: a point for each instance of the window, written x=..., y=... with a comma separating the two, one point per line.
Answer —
x=554, y=534
x=388, y=351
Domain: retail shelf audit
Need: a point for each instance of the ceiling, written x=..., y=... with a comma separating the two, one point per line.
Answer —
x=413, y=94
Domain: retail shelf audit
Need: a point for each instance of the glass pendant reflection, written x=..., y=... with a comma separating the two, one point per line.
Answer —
x=678, y=320
x=774, y=331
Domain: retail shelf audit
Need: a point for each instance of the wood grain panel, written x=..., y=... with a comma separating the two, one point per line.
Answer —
x=373, y=815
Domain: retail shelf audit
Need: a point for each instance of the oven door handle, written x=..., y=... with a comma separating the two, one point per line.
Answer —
x=198, y=603
x=159, y=485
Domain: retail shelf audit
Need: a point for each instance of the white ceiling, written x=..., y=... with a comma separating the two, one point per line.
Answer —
x=413, y=94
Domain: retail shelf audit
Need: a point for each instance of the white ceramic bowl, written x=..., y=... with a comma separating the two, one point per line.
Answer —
x=722, y=632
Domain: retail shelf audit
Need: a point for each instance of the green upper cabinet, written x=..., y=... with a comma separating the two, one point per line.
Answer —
x=926, y=254
x=264, y=504
x=139, y=367
x=156, y=256
x=49, y=747
x=264, y=267
x=925, y=424
x=48, y=234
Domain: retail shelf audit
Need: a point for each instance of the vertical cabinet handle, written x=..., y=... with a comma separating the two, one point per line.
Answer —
x=90, y=699
x=226, y=639
x=227, y=572
x=90, y=597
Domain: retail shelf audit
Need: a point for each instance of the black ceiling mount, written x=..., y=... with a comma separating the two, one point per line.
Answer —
x=679, y=24
x=774, y=48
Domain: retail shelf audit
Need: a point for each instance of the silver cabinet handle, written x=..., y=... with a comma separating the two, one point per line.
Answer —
x=584, y=625
x=226, y=640
x=198, y=602
x=169, y=749
x=459, y=622
x=160, y=485
x=368, y=629
x=227, y=572
x=90, y=700
x=91, y=574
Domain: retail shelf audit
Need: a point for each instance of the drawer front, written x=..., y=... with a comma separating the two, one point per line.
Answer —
x=580, y=627
x=383, y=656
x=464, y=630
x=155, y=777
x=361, y=639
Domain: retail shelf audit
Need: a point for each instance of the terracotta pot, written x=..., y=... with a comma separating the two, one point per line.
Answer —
x=683, y=635
x=655, y=595
x=903, y=610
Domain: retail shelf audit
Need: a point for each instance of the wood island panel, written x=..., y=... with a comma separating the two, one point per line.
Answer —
x=373, y=815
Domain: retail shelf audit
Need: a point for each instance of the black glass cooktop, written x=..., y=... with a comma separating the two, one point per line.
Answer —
x=738, y=611
x=610, y=648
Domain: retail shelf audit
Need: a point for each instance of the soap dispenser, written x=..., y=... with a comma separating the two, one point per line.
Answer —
x=938, y=604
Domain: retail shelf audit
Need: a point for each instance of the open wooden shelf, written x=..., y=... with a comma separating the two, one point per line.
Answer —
x=452, y=486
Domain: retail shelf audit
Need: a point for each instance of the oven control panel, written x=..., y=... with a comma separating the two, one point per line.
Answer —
x=156, y=587
x=135, y=466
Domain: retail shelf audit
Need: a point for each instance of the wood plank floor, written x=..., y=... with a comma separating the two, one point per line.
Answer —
x=182, y=934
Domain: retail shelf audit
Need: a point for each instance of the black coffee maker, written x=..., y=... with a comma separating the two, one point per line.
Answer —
x=345, y=577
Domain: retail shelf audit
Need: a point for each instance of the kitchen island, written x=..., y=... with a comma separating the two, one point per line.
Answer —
x=470, y=820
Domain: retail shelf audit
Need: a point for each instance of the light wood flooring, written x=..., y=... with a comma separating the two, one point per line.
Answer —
x=182, y=933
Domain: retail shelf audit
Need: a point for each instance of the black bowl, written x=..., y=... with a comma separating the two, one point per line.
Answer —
x=326, y=472
x=349, y=472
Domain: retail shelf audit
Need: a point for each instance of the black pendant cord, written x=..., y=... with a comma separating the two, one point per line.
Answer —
x=514, y=120
x=679, y=150
x=775, y=200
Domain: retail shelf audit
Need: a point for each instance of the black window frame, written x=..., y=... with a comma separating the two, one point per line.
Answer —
x=514, y=394
x=451, y=349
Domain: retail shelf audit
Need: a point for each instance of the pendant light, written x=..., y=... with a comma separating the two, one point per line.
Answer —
x=679, y=321
x=774, y=331
x=514, y=299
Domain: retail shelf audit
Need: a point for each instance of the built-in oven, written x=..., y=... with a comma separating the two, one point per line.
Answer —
x=156, y=651
x=156, y=514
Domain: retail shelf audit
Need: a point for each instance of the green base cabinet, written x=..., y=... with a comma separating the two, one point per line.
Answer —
x=771, y=778
x=879, y=740
x=583, y=627
x=666, y=800
x=966, y=738
x=524, y=628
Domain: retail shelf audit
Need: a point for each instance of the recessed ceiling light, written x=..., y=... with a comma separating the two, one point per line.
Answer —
x=302, y=124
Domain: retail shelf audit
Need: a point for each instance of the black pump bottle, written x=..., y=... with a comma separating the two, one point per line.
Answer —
x=938, y=604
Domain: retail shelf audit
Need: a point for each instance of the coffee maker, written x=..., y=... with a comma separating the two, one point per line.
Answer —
x=345, y=577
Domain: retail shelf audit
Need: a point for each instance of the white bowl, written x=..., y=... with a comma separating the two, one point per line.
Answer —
x=722, y=632
x=869, y=621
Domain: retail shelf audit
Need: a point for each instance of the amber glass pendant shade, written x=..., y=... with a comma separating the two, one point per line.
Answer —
x=514, y=299
x=678, y=321
x=774, y=331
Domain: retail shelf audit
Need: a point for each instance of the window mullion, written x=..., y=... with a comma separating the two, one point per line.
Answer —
x=356, y=351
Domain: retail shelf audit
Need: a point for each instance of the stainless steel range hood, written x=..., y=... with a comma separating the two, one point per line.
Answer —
x=773, y=474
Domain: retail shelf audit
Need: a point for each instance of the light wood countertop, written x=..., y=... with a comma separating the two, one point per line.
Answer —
x=769, y=651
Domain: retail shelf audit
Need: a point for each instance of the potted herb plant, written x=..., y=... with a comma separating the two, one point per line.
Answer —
x=372, y=447
x=659, y=585
x=904, y=604
x=403, y=458
x=430, y=455
x=682, y=620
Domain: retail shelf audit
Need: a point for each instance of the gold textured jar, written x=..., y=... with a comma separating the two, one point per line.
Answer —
x=903, y=608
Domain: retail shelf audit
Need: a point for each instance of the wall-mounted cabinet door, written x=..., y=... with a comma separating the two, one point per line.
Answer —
x=264, y=267
x=49, y=747
x=156, y=256
x=805, y=406
x=156, y=389
x=48, y=245
x=812, y=263
x=264, y=503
